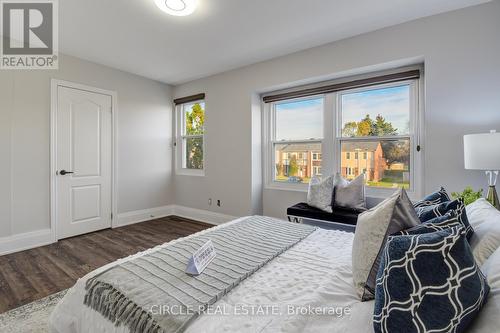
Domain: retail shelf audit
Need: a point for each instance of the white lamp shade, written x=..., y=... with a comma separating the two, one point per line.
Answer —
x=482, y=151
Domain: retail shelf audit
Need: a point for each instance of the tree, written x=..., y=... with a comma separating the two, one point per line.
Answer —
x=350, y=129
x=365, y=126
x=195, y=120
x=293, y=168
x=369, y=127
x=396, y=152
x=383, y=128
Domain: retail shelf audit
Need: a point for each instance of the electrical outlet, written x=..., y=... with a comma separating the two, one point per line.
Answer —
x=210, y=201
x=218, y=203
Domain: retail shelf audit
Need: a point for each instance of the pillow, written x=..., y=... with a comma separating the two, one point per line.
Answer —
x=394, y=214
x=433, y=199
x=429, y=212
x=446, y=221
x=349, y=194
x=486, y=240
x=428, y=283
x=485, y=219
x=320, y=193
x=481, y=211
x=488, y=319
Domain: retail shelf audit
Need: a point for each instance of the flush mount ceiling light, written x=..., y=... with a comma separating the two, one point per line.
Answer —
x=177, y=7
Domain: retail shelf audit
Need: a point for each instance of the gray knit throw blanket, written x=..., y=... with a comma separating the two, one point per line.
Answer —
x=126, y=293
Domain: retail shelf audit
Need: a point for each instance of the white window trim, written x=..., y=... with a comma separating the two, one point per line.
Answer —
x=179, y=139
x=331, y=141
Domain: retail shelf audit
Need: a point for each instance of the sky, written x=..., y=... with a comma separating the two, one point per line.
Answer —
x=392, y=103
x=303, y=120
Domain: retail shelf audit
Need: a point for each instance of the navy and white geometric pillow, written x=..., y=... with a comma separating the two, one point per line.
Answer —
x=429, y=212
x=428, y=283
x=433, y=199
x=439, y=223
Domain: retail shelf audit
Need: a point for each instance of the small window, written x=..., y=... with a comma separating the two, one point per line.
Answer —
x=190, y=137
x=347, y=155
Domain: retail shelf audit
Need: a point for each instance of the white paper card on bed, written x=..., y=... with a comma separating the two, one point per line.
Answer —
x=201, y=258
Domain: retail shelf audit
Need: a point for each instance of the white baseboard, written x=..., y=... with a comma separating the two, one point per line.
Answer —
x=137, y=216
x=202, y=215
x=38, y=238
x=25, y=241
x=182, y=211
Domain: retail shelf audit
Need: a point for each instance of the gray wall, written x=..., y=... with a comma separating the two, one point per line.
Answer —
x=461, y=51
x=144, y=141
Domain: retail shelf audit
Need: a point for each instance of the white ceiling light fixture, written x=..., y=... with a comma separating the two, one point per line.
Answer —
x=177, y=7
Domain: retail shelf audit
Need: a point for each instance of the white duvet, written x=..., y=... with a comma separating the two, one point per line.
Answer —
x=306, y=289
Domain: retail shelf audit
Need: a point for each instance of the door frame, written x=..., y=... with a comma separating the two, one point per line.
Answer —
x=54, y=86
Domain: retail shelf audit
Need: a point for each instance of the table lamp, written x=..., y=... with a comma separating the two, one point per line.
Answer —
x=482, y=152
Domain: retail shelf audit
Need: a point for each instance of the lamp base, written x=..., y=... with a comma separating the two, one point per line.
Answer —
x=492, y=197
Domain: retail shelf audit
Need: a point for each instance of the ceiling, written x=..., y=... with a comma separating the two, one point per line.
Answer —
x=135, y=36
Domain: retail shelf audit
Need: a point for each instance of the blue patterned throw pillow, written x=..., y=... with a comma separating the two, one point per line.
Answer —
x=439, y=223
x=433, y=199
x=428, y=283
x=427, y=213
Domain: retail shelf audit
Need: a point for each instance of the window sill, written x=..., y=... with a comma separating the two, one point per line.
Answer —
x=287, y=187
x=190, y=172
x=375, y=193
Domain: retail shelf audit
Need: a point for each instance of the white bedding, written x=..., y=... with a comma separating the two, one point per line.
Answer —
x=315, y=273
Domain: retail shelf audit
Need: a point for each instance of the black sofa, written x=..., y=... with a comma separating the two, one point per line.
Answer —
x=344, y=219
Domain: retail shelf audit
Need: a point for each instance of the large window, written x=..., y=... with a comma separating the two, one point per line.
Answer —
x=297, y=132
x=376, y=128
x=371, y=130
x=190, y=137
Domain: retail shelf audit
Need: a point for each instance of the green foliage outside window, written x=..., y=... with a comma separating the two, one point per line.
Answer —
x=195, y=121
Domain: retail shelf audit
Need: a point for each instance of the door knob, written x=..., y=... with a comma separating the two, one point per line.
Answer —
x=64, y=172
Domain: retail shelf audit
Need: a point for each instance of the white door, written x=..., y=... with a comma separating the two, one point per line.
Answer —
x=84, y=162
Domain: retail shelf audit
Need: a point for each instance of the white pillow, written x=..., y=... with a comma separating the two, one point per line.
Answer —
x=488, y=319
x=481, y=211
x=320, y=193
x=485, y=219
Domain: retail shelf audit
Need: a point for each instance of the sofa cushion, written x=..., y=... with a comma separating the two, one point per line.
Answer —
x=338, y=215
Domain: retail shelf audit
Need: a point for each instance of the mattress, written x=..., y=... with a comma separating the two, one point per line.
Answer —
x=306, y=289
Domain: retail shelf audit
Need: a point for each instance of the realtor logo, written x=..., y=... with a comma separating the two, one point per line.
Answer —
x=29, y=34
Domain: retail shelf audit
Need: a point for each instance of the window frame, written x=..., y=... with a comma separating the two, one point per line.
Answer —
x=331, y=142
x=181, y=136
x=271, y=142
x=413, y=136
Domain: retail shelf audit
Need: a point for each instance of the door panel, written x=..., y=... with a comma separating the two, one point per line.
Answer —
x=86, y=139
x=84, y=150
x=86, y=203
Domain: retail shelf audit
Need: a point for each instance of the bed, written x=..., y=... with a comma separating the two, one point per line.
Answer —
x=313, y=275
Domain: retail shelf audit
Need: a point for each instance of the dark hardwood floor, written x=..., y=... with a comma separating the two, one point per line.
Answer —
x=33, y=274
